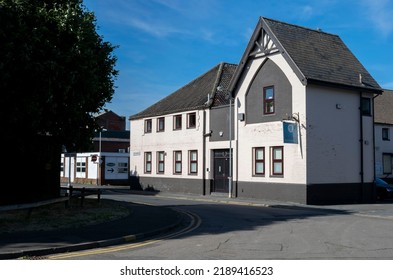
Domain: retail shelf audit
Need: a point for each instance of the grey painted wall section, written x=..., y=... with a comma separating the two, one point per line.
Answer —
x=323, y=194
x=219, y=122
x=175, y=185
x=272, y=191
x=269, y=75
x=317, y=194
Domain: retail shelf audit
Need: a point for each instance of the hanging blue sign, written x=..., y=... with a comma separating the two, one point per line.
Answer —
x=290, y=132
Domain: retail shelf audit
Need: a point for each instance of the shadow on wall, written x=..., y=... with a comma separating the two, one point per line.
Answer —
x=136, y=185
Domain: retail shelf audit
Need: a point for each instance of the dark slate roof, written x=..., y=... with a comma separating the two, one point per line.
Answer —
x=315, y=56
x=383, y=106
x=194, y=95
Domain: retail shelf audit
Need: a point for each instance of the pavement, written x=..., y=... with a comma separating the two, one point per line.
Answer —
x=145, y=222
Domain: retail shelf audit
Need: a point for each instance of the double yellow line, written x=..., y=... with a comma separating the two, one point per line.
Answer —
x=194, y=223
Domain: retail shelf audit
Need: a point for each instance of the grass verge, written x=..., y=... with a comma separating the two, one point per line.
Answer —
x=58, y=216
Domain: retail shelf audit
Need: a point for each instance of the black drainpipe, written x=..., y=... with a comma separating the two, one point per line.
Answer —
x=204, y=154
x=361, y=150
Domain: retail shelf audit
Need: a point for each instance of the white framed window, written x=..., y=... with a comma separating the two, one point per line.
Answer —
x=387, y=161
x=177, y=162
x=160, y=162
x=259, y=161
x=81, y=167
x=191, y=120
x=148, y=125
x=193, y=162
x=277, y=160
x=148, y=160
x=177, y=122
x=161, y=124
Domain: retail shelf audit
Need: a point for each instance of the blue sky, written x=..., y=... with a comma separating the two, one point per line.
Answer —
x=165, y=44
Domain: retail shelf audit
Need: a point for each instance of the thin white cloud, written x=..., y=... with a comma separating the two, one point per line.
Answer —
x=156, y=29
x=307, y=11
x=380, y=12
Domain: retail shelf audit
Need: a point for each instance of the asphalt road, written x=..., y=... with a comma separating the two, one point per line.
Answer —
x=226, y=231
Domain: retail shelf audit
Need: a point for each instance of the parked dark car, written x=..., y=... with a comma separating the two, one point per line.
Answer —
x=384, y=190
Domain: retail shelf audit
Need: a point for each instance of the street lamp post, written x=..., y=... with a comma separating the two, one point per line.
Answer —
x=230, y=147
x=99, y=157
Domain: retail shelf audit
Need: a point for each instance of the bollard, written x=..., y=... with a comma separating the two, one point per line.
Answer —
x=82, y=196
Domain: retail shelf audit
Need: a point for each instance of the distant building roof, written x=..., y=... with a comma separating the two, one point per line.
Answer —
x=113, y=134
x=383, y=107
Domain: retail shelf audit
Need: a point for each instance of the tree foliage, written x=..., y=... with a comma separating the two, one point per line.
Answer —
x=56, y=71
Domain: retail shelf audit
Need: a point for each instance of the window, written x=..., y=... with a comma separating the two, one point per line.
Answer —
x=366, y=106
x=193, y=162
x=177, y=122
x=385, y=134
x=387, y=163
x=259, y=161
x=177, y=162
x=81, y=167
x=147, y=162
x=148, y=125
x=160, y=124
x=268, y=100
x=160, y=162
x=122, y=167
x=277, y=160
x=191, y=120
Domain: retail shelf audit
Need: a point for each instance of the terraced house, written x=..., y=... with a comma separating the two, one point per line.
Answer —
x=383, y=120
x=293, y=121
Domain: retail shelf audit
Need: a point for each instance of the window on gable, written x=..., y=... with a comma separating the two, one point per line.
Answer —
x=385, y=134
x=277, y=160
x=191, y=120
x=177, y=158
x=259, y=161
x=160, y=124
x=268, y=100
x=160, y=162
x=148, y=125
x=177, y=122
x=366, y=106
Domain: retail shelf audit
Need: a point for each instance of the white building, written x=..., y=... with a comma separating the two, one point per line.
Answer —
x=300, y=126
x=102, y=168
x=384, y=136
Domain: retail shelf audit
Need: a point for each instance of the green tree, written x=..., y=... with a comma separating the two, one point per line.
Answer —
x=56, y=72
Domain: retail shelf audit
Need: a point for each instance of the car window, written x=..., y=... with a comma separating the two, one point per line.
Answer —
x=381, y=182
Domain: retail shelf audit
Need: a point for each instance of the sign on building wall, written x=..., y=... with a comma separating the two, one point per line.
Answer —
x=290, y=132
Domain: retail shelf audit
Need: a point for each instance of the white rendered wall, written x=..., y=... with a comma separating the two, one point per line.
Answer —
x=167, y=141
x=333, y=134
x=271, y=134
